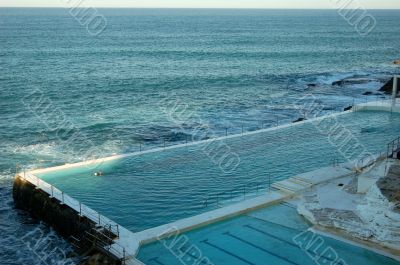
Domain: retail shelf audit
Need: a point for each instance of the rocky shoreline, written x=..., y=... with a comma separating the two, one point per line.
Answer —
x=364, y=208
x=386, y=89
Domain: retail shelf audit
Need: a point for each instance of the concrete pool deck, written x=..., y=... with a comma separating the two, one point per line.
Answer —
x=285, y=190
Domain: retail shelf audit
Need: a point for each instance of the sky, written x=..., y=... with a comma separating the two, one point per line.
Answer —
x=369, y=4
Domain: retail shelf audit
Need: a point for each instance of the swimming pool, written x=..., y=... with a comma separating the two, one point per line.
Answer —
x=153, y=189
x=275, y=235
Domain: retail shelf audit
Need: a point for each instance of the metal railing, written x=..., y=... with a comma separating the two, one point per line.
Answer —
x=101, y=222
x=238, y=194
x=392, y=147
x=274, y=119
x=103, y=242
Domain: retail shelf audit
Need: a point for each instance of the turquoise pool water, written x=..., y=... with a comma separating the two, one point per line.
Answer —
x=149, y=190
x=272, y=236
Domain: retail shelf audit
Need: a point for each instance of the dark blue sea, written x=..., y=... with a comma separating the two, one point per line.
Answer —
x=123, y=89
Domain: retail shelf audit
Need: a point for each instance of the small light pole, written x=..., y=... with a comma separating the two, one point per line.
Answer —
x=395, y=90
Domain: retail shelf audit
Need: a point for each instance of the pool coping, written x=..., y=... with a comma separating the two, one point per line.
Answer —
x=351, y=241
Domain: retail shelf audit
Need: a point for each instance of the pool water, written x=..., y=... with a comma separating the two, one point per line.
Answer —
x=153, y=189
x=272, y=236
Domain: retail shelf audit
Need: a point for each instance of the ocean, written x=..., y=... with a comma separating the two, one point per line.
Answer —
x=140, y=82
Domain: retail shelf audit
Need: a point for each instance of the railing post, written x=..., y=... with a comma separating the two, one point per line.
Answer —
x=62, y=197
x=52, y=191
x=123, y=254
x=99, y=221
x=269, y=182
x=80, y=208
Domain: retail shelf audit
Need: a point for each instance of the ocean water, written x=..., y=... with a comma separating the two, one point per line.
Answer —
x=150, y=72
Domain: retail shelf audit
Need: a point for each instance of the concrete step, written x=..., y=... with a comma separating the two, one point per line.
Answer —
x=303, y=180
x=300, y=182
x=289, y=186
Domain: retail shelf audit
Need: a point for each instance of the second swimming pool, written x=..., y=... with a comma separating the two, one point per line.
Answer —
x=276, y=235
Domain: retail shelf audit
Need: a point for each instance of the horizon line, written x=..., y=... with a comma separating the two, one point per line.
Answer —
x=195, y=8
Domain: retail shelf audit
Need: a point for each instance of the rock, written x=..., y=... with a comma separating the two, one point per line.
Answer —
x=312, y=85
x=338, y=83
x=388, y=87
x=352, y=81
x=390, y=186
x=368, y=93
x=99, y=259
x=348, y=108
x=299, y=120
x=397, y=62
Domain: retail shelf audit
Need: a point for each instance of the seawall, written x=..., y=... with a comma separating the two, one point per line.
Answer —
x=87, y=239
